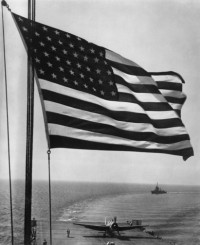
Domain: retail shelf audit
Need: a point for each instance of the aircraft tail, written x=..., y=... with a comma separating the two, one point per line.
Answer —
x=105, y=220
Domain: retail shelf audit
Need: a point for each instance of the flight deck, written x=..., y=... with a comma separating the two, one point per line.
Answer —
x=81, y=236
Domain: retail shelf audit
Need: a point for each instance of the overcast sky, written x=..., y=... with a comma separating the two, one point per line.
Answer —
x=158, y=35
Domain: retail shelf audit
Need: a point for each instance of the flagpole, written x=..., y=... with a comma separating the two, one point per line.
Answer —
x=29, y=136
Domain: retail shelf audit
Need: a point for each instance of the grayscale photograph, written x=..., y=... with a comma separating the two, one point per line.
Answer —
x=99, y=117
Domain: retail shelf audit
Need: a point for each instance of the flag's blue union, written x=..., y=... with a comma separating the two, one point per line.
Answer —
x=94, y=98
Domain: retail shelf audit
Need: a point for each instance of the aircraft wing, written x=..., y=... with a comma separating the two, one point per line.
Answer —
x=126, y=228
x=93, y=227
x=105, y=228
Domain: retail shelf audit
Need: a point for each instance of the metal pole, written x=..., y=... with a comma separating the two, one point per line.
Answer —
x=29, y=140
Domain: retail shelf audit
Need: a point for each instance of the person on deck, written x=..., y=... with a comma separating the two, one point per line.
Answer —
x=34, y=222
x=33, y=233
x=68, y=232
x=45, y=242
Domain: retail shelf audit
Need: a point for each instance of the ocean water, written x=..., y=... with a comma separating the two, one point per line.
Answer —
x=174, y=216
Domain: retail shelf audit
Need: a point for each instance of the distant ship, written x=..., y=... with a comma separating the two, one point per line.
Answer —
x=158, y=190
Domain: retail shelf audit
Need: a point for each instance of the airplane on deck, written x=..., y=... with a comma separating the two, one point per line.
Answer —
x=111, y=226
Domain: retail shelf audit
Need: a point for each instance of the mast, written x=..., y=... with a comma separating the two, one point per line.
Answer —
x=29, y=135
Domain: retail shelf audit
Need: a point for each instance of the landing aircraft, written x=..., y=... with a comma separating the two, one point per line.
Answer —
x=111, y=226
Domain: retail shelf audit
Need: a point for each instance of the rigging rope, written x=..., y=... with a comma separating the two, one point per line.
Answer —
x=3, y=3
x=49, y=153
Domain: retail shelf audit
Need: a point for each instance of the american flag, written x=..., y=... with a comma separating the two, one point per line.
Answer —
x=93, y=98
